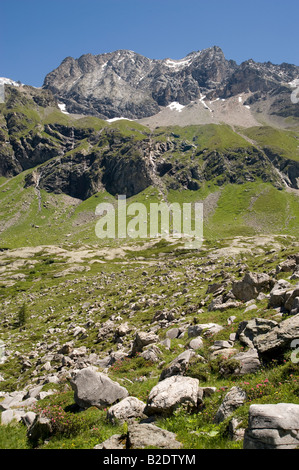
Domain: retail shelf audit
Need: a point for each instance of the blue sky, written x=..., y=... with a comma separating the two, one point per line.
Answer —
x=36, y=35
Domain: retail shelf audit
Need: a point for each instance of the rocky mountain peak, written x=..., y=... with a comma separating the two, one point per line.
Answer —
x=126, y=84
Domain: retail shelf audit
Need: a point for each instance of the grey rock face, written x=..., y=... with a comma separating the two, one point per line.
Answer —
x=272, y=427
x=95, y=389
x=123, y=83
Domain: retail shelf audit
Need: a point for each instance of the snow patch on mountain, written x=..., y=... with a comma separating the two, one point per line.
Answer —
x=175, y=106
x=62, y=108
x=117, y=119
x=8, y=81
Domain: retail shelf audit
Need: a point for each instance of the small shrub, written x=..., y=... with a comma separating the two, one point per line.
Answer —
x=22, y=315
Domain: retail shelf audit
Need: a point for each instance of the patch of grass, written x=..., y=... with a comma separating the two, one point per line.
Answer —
x=284, y=142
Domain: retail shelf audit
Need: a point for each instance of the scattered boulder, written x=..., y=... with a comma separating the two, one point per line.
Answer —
x=142, y=339
x=146, y=435
x=196, y=343
x=171, y=393
x=123, y=329
x=167, y=315
x=126, y=409
x=249, y=330
x=93, y=388
x=204, y=329
x=278, y=293
x=106, y=330
x=236, y=432
x=251, y=285
x=115, y=442
x=28, y=418
x=178, y=366
x=142, y=436
x=272, y=427
x=151, y=353
x=40, y=429
x=8, y=416
x=278, y=338
x=249, y=362
x=173, y=333
x=289, y=265
x=284, y=295
x=219, y=304
x=232, y=400
x=291, y=296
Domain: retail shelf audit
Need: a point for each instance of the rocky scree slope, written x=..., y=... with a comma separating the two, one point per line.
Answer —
x=115, y=338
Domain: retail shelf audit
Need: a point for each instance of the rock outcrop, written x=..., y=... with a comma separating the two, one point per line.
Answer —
x=123, y=83
x=272, y=427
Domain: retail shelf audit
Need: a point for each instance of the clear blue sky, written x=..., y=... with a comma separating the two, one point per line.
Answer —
x=35, y=35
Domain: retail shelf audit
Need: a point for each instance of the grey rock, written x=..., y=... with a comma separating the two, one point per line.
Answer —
x=236, y=432
x=196, y=343
x=290, y=298
x=126, y=409
x=272, y=427
x=172, y=392
x=279, y=338
x=33, y=392
x=232, y=400
x=249, y=330
x=219, y=304
x=144, y=435
x=151, y=353
x=178, y=366
x=251, y=285
x=11, y=401
x=173, y=333
x=106, y=331
x=249, y=362
x=95, y=389
x=203, y=329
x=116, y=442
x=123, y=329
x=28, y=418
x=41, y=428
x=143, y=339
x=8, y=416
x=166, y=343
x=224, y=353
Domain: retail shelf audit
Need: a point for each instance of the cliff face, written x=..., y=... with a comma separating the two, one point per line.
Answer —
x=127, y=84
